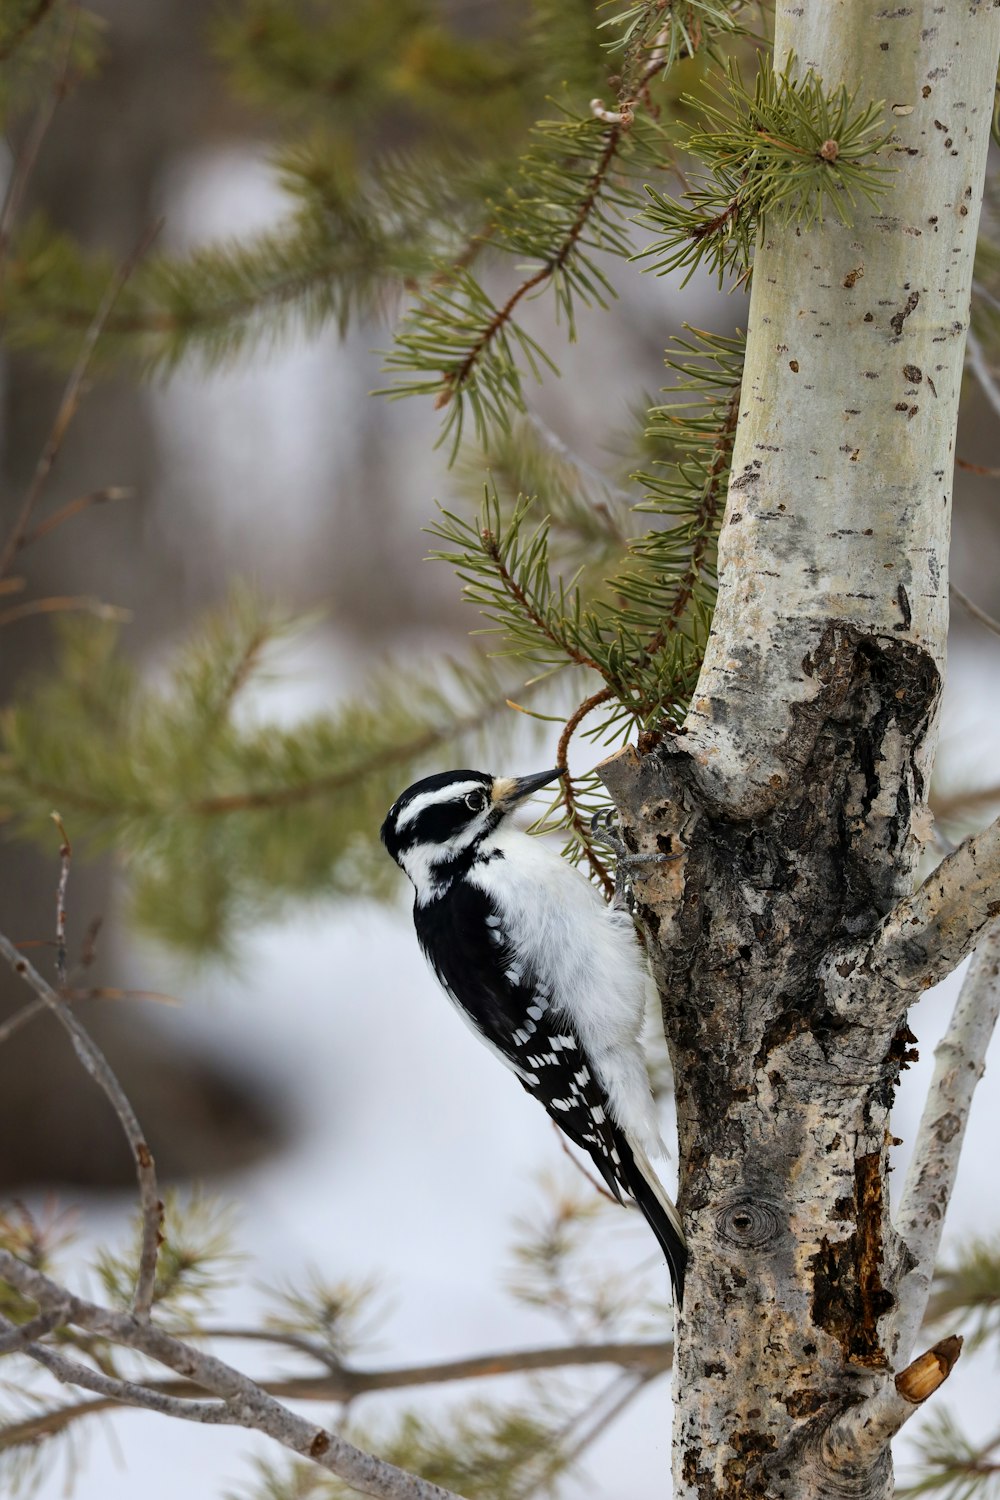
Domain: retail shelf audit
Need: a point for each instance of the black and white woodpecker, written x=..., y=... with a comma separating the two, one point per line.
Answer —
x=543, y=970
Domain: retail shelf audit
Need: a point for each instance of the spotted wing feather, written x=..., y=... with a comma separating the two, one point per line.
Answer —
x=516, y=1014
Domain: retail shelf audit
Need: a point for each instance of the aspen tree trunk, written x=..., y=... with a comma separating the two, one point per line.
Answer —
x=793, y=791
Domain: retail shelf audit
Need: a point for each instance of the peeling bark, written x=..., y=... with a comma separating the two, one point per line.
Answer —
x=792, y=789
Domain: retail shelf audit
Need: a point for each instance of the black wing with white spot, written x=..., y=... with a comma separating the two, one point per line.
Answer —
x=463, y=938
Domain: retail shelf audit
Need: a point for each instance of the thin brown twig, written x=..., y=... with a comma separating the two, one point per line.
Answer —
x=73, y=395
x=62, y=604
x=617, y=131
x=548, y=269
x=491, y=546
x=959, y=804
x=96, y=1064
x=646, y=1358
x=34, y=1008
x=984, y=469
x=574, y=721
x=88, y=948
x=74, y=508
x=581, y=1167
x=27, y=157
x=973, y=609
x=65, y=860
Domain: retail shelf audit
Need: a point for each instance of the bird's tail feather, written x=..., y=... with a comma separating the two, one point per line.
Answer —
x=659, y=1211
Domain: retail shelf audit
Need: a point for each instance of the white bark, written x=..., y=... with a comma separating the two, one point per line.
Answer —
x=865, y=1430
x=923, y=938
x=959, y=1063
x=792, y=789
x=844, y=453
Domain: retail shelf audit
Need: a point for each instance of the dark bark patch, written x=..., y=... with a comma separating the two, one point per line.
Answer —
x=902, y=1049
x=649, y=919
x=697, y=1478
x=898, y=319
x=786, y=1025
x=804, y=1403
x=903, y=601
x=745, y=1474
x=848, y=1295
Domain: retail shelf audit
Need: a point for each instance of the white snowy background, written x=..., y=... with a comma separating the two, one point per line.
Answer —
x=415, y=1150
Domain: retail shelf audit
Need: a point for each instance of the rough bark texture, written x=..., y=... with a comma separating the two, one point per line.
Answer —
x=792, y=790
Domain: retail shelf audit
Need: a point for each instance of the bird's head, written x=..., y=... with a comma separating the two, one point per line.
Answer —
x=434, y=830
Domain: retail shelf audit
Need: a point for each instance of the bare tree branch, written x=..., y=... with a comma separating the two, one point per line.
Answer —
x=16, y=1338
x=35, y=1008
x=97, y=1066
x=973, y=609
x=61, y=604
x=922, y=939
x=75, y=508
x=858, y=1436
x=646, y=1360
x=249, y=1404
x=614, y=1400
x=975, y=356
x=116, y=1392
x=958, y=1067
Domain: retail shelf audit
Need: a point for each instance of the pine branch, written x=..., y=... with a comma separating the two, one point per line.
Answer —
x=967, y=1291
x=353, y=244
x=46, y=46
x=509, y=581
x=570, y=201
x=217, y=815
x=651, y=33
x=369, y=59
x=789, y=151
x=952, y=1466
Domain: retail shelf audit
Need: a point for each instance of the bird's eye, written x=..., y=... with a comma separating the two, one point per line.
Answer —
x=476, y=801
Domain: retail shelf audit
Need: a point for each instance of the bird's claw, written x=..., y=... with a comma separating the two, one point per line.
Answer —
x=605, y=829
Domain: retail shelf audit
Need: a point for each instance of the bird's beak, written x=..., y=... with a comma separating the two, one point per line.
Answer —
x=508, y=791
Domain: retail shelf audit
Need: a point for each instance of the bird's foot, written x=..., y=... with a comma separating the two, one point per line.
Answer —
x=605, y=828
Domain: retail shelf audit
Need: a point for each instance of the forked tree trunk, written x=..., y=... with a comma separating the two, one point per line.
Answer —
x=796, y=787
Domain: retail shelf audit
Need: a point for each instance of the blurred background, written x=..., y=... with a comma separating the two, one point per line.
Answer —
x=316, y=1079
